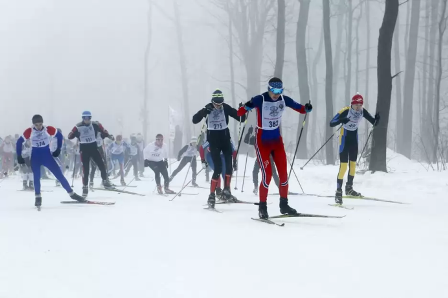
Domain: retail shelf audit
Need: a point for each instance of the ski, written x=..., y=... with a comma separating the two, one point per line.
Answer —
x=268, y=222
x=120, y=191
x=341, y=206
x=88, y=202
x=127, y=186
x=198, y=187
x=235, y=201
x=32, y=190
x=305, y=215
x=188, y=194
x=358, y=198
x=212, y=209
x=290, y=193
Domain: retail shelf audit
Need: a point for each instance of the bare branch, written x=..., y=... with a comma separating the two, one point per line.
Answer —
x=396, y=74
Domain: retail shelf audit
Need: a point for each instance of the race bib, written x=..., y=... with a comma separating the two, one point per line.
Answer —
x=87, y=134
x=272, y=114
x=40, y=138
x=355, y=119
x=217, y=120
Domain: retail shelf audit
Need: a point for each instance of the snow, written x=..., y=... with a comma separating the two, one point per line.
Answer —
x=151, y=247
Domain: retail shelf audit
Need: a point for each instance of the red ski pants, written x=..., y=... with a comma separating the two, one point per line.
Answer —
x=263, y=150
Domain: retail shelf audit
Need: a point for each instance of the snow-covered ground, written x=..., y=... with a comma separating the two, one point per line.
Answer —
x=151, y=247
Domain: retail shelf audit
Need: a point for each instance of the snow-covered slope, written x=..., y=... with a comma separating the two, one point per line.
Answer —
x=151, y=247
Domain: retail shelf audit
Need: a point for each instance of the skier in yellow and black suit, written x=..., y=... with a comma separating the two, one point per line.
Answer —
x=350, y=117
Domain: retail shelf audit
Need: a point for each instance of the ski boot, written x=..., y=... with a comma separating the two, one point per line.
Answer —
x=226, y=194
x=85, y=191
x=338, y=196
x=349, y=191
x=168, y=191
x=77, y=197
x=263, y=210
x=38, y=201
x=194, y=184
x=91, y=184
x=31, y=185
x=25, y=185
x=211, y=201
x=218, y=191
x=137, y=179
x=141, y=175
x=159, y=189
x=122, y=182
x=285, y=208
x=107, y=184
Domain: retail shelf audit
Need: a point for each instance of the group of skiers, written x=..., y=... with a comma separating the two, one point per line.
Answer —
x=42, y=145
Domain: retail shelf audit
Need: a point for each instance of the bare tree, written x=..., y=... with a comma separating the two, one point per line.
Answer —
x=341, y=10
x=328, y=77
x=442, y=28
x=302, y=69
x=232, y=74
x=379, y=141
x=399, y=110
x=144, y=112
x=315, y=88
x=366, y=103
x=348, y=74
x=409, y=79
x=281, y=22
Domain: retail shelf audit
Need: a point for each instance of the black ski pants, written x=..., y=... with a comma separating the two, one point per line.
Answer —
x=159, y=167
x=90, y=152
x=183, y=162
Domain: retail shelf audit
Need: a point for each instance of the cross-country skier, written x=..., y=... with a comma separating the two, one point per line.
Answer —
x=134, y=157
x=86, y=132
x=40, y=137
x=350, y=117
x=25, y=169
x=187, y=155
x=99, y=143
x=218, y=135
x=270, y=107
x=156, y=157
x=116, y=150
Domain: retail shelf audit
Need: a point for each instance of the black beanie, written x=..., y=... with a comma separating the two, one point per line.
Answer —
x=37, y=119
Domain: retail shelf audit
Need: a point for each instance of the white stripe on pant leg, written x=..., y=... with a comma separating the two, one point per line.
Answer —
x=261, y=164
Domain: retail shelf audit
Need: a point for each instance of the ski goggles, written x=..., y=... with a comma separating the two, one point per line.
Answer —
x=276, y=91
x=87, y=117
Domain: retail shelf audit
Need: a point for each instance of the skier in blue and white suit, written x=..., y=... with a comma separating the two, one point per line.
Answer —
x=40, y=137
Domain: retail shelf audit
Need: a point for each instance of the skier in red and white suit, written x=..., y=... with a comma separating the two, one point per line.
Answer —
x=270, y=107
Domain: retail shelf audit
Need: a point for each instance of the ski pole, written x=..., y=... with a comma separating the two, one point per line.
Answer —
x=321, y=147
x=244, y=175
x=128, y=184
x=236, y=157
x=296, y=177
x=74, y=168
x=238, y=149
x=186, y=175
x=297, y=146
x=366, y=143
x=183, y=187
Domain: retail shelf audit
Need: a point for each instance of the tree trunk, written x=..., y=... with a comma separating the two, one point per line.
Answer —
x=183, y=70
x=328, y=78
x=144, y=112
x=302, y=68
x=424, y=97
x=348, y=74
x=281, y=21
x=384, y=77
x=407, y=25
x=358, y=19
x=409, y=79
x=399, y=107
x=366, y=102
x=315, y=94
x=337, y=55
x=232, y=76
x=442, y=28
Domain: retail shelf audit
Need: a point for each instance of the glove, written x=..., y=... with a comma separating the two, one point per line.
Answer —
x=204, y=164
x=146, y=163
x=56, y=152
x=166, y=163
x=235, y=165
x=377, y=118
x=249, y=105
x=111, y=137
x=250, y=130
x=308, y=107
x=207, y=109
x=344, y=120
x=20, y=160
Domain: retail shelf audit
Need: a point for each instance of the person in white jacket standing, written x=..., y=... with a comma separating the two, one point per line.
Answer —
x=156, y=157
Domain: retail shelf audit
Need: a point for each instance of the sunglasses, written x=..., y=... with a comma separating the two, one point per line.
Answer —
x=87, y=118
x=276, y=91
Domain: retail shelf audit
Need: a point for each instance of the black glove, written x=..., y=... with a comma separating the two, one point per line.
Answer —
x=235, y=165
x=308, y=107
x=20, y=160
x=344, y=120
x=111, y=137
x=250, y=130
x=207, y=109
x=377, y=118
x=56, y=152
x=240, y=105
x=166, y=163
x=146, y=164
x=249, y=104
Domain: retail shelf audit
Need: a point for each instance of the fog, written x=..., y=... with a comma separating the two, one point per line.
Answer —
x=59, y=58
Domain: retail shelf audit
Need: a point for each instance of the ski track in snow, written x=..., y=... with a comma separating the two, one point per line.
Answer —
x=151, y=247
